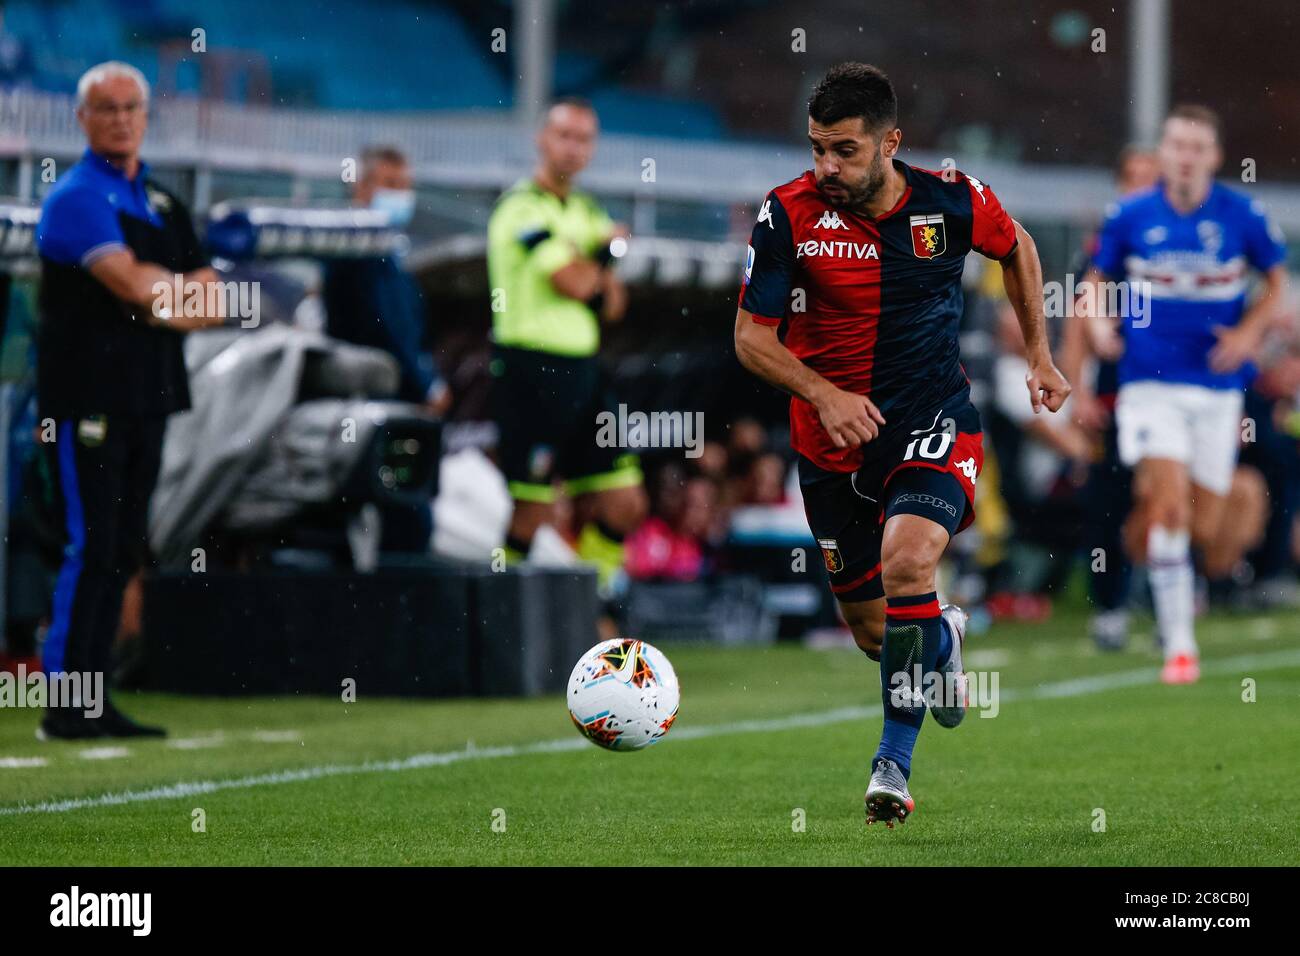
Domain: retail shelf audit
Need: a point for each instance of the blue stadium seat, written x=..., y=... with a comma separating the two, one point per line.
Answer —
x=394, y=55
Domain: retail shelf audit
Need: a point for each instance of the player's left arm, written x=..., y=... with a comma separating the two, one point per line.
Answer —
x=1022, y=276
x=611, y=298
x=613, y=291
x=1238, y=344
x=1265, y=249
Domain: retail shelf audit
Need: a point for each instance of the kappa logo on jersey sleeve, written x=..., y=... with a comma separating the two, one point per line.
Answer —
x=765, y=214
x=830, y=220
x=978, y=187
x=929, y=240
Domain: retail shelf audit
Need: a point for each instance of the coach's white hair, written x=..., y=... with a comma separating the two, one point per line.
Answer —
x=98, y=74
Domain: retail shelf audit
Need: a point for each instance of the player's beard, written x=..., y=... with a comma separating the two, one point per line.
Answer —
x=857, y=197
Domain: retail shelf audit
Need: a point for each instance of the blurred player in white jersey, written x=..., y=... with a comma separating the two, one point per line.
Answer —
x=1178, y=323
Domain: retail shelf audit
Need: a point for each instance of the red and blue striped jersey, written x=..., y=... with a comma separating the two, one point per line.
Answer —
x=872, y=305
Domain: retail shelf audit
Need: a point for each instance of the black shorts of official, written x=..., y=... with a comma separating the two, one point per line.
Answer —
x=546, y=408
x=931, y=473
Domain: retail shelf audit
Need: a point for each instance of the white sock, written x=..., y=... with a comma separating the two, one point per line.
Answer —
x=1173, y=588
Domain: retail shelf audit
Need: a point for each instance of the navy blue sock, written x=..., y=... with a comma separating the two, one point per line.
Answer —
x=914, y=637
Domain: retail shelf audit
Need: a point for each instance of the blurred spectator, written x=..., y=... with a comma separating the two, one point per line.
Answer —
x=748, y=437
x=754, y=474
x=764, y=483
x=1241, y=530
x=713, y=460
x=1042, y=462
x=376, y=302
x=1108, y=492
x=1061, y=436
x=675, y=543
x=1136, y=169
x=1272, y=404
x=15, y=57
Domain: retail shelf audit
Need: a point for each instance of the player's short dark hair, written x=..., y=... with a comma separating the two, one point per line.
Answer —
x=382, y=153
x=855, y=89
x=1195, y=113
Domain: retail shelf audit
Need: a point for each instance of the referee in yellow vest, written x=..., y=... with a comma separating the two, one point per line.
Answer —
x=549, y=263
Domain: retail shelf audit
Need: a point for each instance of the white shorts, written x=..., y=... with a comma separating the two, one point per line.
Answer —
x=1201, y=427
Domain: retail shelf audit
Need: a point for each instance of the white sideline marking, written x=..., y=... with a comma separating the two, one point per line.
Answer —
x=277, y=736
x=215, y=739
x=104, y=753
x=986, y=660
x=1263, y=630
x=1056, y=691
x=19, y=763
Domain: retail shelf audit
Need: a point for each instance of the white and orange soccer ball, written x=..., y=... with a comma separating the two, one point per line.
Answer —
x=623, y=694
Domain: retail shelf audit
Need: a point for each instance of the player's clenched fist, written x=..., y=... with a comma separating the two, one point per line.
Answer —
x=850, y=419
x=1047, y=386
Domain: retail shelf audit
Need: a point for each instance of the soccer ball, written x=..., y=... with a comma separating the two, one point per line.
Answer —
x=623, y=694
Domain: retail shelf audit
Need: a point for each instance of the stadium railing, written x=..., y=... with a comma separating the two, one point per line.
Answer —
x=491, y=150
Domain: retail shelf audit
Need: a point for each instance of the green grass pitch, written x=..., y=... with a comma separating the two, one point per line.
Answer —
x=766, y=765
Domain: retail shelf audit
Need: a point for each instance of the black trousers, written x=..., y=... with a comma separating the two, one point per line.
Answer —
x=104, y=471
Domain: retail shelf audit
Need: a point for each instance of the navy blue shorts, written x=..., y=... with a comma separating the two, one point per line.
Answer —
x=931, y=474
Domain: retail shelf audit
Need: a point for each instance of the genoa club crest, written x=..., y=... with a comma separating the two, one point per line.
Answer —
x=831, y=554
x=928, y=237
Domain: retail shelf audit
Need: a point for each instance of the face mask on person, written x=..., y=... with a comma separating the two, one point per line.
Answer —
x=398, y=203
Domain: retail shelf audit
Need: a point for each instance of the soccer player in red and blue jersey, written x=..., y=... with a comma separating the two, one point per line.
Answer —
x=851, y=301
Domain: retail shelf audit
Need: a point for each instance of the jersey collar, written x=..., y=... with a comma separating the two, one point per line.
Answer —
x=545, y=193
x=906, y=172
x=99, y=163
x=899, y=165
x=1209, y=199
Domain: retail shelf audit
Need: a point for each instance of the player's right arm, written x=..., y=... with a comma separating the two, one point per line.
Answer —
x=1074, y=353
x=580, y=279
x=1102, y=330
x=850, y=419
x=594, y=282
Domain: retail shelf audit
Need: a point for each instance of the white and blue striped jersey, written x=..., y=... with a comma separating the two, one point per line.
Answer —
x=1195, y=270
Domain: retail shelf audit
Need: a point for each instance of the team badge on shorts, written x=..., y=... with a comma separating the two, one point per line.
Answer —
x=928, y=237
x=831, y=554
